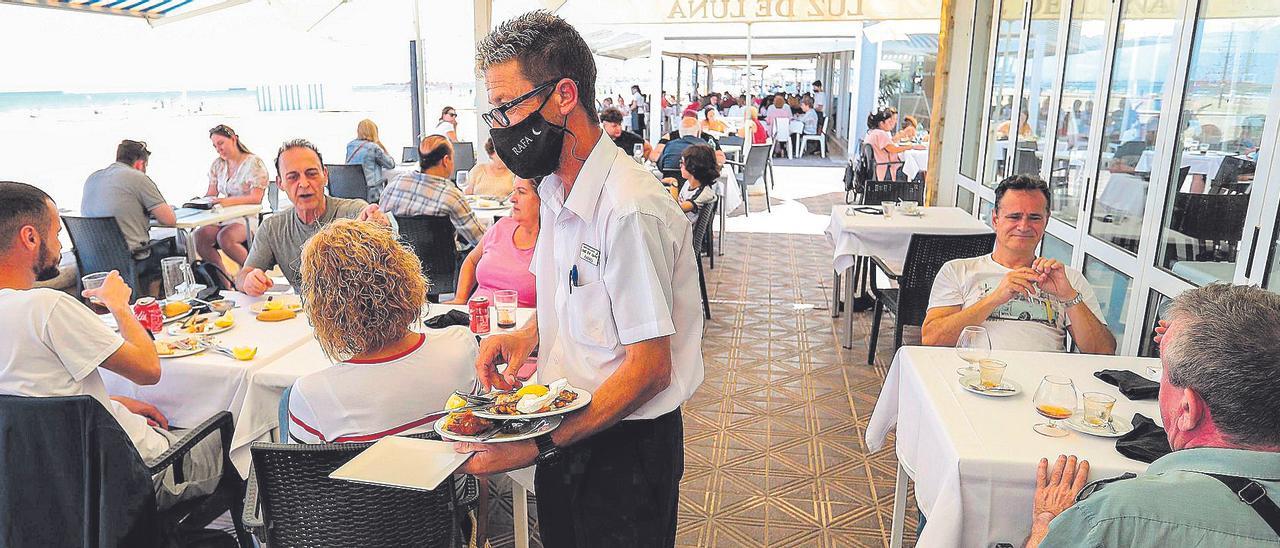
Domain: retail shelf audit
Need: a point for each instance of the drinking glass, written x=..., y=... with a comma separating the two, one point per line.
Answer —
x=1097, y=408
x=504, y=302
x=173, y=273
x=990, y=373
x=637, y=151
x=972, y=346
x=461, y=179
x=1055, y=400
x=94, y=281
x=888, y=208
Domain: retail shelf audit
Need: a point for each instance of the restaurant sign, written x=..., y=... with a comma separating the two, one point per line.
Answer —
x=756, y=11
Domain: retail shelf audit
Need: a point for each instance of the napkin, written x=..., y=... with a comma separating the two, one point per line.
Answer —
x=450, y=318
x=1146, y=443
x=1132, y=385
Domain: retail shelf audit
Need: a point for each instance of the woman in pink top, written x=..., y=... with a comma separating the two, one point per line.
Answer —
x=501, y=259
x=884, y=144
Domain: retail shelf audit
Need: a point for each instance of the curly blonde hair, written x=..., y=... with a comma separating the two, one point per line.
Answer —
x=362, y=287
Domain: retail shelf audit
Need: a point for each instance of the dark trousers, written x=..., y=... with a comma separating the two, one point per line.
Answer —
x=616, y=489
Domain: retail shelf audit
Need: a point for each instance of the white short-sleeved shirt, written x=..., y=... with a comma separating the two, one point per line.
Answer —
x=357, y=401
x=637, y=279
x=442, y=129
x=52, y=346
x=1024, y=323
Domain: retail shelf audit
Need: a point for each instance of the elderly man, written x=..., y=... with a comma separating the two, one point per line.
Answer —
x=1025, y=302
x=1218, y=400
x=430, y=192
x=611, y=121
x=618, y=308
x=690, y=126
x=302, y=175
x=55, y=346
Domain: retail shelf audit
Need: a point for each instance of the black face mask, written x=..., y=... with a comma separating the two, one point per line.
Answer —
x=531, y=148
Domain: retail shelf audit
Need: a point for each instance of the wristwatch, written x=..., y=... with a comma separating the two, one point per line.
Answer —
x=1079, y=298
x=547, y=450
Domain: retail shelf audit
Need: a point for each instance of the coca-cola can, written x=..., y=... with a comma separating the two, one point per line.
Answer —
x=147, y=311
x=479, y=315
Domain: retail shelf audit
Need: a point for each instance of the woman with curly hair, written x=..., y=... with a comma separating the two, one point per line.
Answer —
x=699, y=168
x=362, y=290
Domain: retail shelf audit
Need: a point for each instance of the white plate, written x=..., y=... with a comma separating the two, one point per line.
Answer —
x=176, y=328
x=487, y=207
x=292, y=302
x=970, y=383
x=552, y=423
x=184, y=353
x=584, y=398
x=1076, y=422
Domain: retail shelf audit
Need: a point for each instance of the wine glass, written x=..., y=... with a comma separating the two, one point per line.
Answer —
x=972, y=346
x=1055, y=400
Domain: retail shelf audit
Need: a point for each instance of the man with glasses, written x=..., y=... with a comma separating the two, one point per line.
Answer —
x=619, y=313
x=124, y=191
x=447, y=126
x=1024, y=301
x=1218, y=399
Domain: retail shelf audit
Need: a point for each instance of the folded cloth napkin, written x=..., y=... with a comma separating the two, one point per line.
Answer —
x=1146, y=443
x=1132, y=385
x=450, y=318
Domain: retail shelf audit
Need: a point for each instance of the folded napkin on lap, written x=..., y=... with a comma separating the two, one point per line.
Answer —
x=1146, y=443
x=450, y=318
x=1132, y=385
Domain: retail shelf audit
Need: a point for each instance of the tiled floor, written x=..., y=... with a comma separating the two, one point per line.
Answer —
x=774, y=450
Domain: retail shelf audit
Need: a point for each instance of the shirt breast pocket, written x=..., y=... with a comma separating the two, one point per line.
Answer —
x=591, y=316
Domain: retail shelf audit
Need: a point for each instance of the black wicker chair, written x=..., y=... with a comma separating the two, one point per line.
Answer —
x=464, y=158
x=910, y=301
x=701, y=229
x=876, y=192
x=409, y=155
x=347, y=181
x=301, y=506
x=757, y=166
x=433, y=240
x=99, y=246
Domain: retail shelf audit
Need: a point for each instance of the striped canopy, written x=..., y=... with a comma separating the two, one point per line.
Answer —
x=151, y=10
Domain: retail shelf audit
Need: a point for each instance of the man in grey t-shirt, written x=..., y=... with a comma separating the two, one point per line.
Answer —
x=302, y=175
x=124, y=191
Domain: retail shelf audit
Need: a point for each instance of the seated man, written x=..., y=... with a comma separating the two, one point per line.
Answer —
x=124, y=191
x=669, y=153
x=430, y=192
x=54, y=345
x=690, y=125
x=373, y=349
x=1218, y=397
x=611, y=122
x=302, y=175
x=1024, y=302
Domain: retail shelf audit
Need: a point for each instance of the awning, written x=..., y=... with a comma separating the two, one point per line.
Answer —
x=151, y=10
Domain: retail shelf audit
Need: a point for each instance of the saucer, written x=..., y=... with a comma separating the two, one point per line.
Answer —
x=1007, y=387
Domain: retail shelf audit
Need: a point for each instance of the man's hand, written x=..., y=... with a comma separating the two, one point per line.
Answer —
x=1162, y=327
x=494, y=458
x=154, y=416
x=1053, y=278
x=256, y=282
x=1017, y=282
x=372, y=213
x=1056, y=490
x=512, y=348
x=113, y=293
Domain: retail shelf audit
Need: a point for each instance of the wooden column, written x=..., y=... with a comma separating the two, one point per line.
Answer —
x=942, y=81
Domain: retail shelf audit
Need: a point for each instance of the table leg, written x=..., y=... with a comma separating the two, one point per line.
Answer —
x=835, y=293
x=520, y=513
x=899, y=509
x=723, y=216
x=849, y=283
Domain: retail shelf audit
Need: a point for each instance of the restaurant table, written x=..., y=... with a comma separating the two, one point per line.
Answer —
x=913, y=162
x=973, y=458
x=1124, y=193
x=187, y=224
x=854, y=235
x=1206, y=164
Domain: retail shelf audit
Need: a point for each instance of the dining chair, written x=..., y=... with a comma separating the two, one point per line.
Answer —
x=876, y=192
x=464, y=157
x=756, y=167
x=347, y=181
x=702, y=244
x=432, y=238
x=99, y=246
x=820, y=137
x=909, y=302
x=409, y=155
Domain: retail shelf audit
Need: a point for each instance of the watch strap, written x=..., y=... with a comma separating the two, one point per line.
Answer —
x=1077, y=300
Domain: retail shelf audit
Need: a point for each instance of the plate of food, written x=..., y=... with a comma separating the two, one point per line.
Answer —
x=466, y=426
x=180, y=346
x=291, y=303
x=486, y=202
x=210, y=323
x=537, y=400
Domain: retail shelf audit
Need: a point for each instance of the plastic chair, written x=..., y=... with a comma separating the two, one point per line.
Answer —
x=102, y=492
x=821, y=138
x=433, y=240
x=464, y=157
x=701, y=230
x=99, y=246
x=301, y=506
x=893, y=191
x=910, y=301
x=782, y=135
x=347, y=181
x=754, y=168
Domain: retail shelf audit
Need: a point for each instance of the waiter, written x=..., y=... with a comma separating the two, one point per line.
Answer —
x=619, y=312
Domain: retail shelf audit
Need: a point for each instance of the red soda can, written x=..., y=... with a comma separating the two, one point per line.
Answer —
x=479, y=315
x=147, y=311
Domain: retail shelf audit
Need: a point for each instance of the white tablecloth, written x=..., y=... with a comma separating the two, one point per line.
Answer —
x=1206, y=164
x=728, y=190
x=973, y=458
x=914, y=161
x=862, y=234
x=1124, y=192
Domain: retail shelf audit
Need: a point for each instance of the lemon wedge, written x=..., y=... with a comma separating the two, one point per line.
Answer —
x=536, y=390
x=455, y=401
x=272, y=305
x=226, y=320
x=245, y=353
